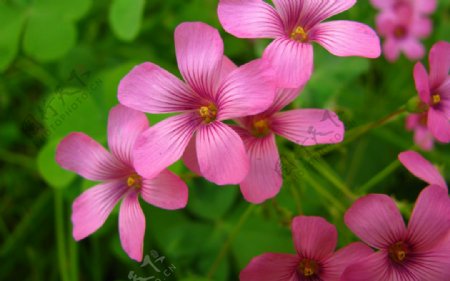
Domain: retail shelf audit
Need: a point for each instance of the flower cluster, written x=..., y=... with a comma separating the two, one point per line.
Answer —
x=404, y=23
x=420, y=251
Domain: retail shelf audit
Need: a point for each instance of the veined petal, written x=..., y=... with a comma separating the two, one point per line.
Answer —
x=439, y=63
x=430, y=219
x=314, y=237
x=308, y=126
x=166, y=191
x=271, y=267
x=315, y=11
x=421, y=81
x=132, y=226
x=81, y=154
x=250, y=19
x=283, y=97
x=163, y=144
x=264, y=178
x=439, y=125
x=190, y=157
x=91, y=209
x=221, y=154
x=334, y=267
x=432, y=264
x=421, y=168
x=248, y=90
x=289, y=12
x=149, y=88
x=347, y=38
x=376, y=220
x=291, y=60
x=228, y=66
x=199, y=50
x=375, y=267
x=124, y=126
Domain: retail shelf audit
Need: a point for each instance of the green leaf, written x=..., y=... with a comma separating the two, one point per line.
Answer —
x=68, y=10
x=48, y=37
x=125, y=18
x=51, y=172
x=11, y=24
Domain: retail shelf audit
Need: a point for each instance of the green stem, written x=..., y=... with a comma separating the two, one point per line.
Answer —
x=17, y=159
x=297, y=200
x=60, y=236
x=365, y=188
x=224, y=250
x=73, y=257
x=38, y=72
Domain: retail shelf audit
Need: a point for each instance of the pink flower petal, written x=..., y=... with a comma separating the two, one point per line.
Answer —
x=421, y=27
x=376, y=220
x=250, y=19
x=375, y=267
x=190, y=157
x=314, y=237
x=166, y=191
x=283, y=97
x=432, y=264
x=124, y=126
x=391, y=49
x=308, y=126
x=439, y=125
x=421, y=168
x=413, y=49
x=264, y=178
x=221, y=154
x=430, y=219
x=289, y=12
x=271, y=267
x=149, y=88
x=91, y=209
x=350, y=254
x=199, y=50
x=423, y=138
x=132, y=226
x=439, y=63
x=291, y=60
x=81, y=154
x=421, y=81
x=382, y=4
x=248, y=90
x=163, y=144
x=316, y=11
x=347, y=38
x=227, y=68
x=425, y=6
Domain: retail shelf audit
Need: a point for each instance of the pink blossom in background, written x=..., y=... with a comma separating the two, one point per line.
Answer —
x=418, y=252
x=295, y=25
x=215, y=90
x=422, y=168
x=120, y=181
x=421, y=7
x=422, y=135
x=434, y=91
x=302, y=126
x=315, y=241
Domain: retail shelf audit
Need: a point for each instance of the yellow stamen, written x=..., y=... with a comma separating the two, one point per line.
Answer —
x=436, y=99
x=398, y=252
x=307, y=268
x=208, y=112
x=260, y=127
x=134, y=180
x=299, y=34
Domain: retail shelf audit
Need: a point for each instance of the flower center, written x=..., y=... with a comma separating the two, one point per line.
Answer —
x=134, y=181
x=208, y=112
x=260, y=127
x=398, y=252
x=299, y=34
x=435, y=99
x=400, y=32
x=307, y=268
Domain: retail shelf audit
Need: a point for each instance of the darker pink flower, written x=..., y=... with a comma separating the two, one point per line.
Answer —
x=422, y=135
x=315, y=241
x=422, y=168
x=434, y=91
x=214, y=91
x=418, y=252
x=422, y=7
x=295, y=24
x=120, y=181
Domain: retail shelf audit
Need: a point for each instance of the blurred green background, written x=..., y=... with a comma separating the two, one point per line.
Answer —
x=60, y=64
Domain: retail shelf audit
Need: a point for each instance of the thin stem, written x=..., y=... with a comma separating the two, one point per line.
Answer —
x=296, y=196
x=224, y=250
x=17, y=159
x=379, y=177
x=60, y=236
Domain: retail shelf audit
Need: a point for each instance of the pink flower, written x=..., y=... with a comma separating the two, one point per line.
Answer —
x=422, y=7
x=403, y=28
x=422, y=135
x=295, y=24
x=83, y=155
x=214, y=91
x=302, y=126
x=434, y=91
x=418, y=252
x=315, y=240
x=422, y=168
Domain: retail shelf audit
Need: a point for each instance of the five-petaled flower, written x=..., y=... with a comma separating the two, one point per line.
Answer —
x=215, y=90
x=83, y=155
x=295, y=24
